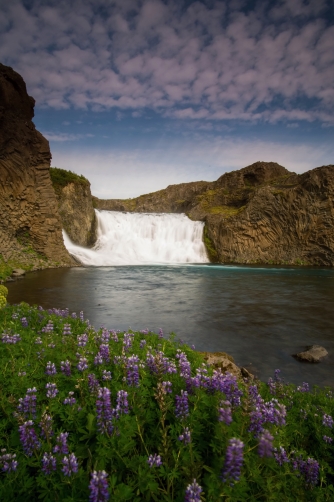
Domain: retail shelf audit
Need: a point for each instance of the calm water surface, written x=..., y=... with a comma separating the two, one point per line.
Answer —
x=259, y=315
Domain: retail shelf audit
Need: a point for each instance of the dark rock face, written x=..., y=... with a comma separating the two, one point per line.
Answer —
x=30, y=229
x=77, y=213
x=260, y=214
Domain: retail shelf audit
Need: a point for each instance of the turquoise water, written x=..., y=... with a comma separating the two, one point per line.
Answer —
x=260, y=315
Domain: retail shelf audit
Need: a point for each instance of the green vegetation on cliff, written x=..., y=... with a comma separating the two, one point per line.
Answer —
x=61, y=178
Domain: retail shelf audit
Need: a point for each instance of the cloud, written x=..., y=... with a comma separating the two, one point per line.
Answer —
x=211, y=60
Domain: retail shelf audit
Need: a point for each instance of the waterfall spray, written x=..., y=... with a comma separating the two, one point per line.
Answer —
x=142, y=238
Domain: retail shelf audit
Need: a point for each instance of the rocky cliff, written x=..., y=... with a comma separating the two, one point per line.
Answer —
x=30, y=228
x=260, y=214
x=75, y=206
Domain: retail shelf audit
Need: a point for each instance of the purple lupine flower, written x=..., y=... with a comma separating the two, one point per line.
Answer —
x=67, y=329
x=122, y=405
x=98, y=359
x=154, y=460
x=82, y=364
x=327, y=420
x=225, y=412
x=70, y=465
x=49, y=463
x=327, y=439
x=280, y=455
x=27, y=405
x=38, y=341
x=74, y=315
x=105, y=336
x=70, y=399
x=15, y=316
x=185, y=437
x=50, y=368
x=98, y=487
x=93, y=383
x=233, y=461
x=13, y=339
x=161, y=333
x=81, y=316
x=184, y=365
x=46, y=426
x=166, y=387
x=265, y=448
x=181, y=405
x=228, y=384
x=104, y=351
x=264, y=412
x=48, y=328
x=82, y=340
x=61, y=447
x=52, y=390
x=65, y=367
x=201, y=379
x=7, y=461
x=142, y=344
x=304, y=388
x=127, y=341
x=28, y=438
x=24, y=322
x=106, y=375
x=309, y=469
x=104, y=412
x=132, y=373
x=193, y=492
x=160, y=364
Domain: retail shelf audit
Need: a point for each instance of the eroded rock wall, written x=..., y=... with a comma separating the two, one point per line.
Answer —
x=30, y=228
x=77, y=213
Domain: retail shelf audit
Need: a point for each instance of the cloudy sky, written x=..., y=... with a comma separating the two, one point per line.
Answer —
x=140, y=94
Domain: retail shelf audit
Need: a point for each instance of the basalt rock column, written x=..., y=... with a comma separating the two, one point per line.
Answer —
x=30, y=228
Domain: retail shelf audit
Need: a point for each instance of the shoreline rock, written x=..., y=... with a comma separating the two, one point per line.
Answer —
x=312, y=354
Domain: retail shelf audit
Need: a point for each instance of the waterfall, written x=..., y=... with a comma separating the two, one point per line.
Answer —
x=142, y=238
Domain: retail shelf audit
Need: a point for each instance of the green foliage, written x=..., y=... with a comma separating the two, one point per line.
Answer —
x=3, y=301
x=3, y=291
x=60, y=178
x=151, y=425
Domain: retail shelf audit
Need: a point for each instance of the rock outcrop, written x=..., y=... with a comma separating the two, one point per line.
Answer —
x=30, y=228
x=75, y=206
x=312, y=354
x=260, y=214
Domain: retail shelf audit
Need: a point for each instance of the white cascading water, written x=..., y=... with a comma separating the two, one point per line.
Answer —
x=142, y=239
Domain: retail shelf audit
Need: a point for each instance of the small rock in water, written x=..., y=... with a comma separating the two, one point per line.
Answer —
x=313, y=354
x=17, y=272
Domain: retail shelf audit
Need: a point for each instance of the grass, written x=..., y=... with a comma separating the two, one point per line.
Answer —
x=149, y=418
x=61, y=177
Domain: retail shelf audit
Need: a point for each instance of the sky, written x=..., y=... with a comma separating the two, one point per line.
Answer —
x=140, y=94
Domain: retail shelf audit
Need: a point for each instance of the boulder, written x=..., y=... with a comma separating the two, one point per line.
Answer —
x=18, y=272
x=313, y=354
x=223, y=361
